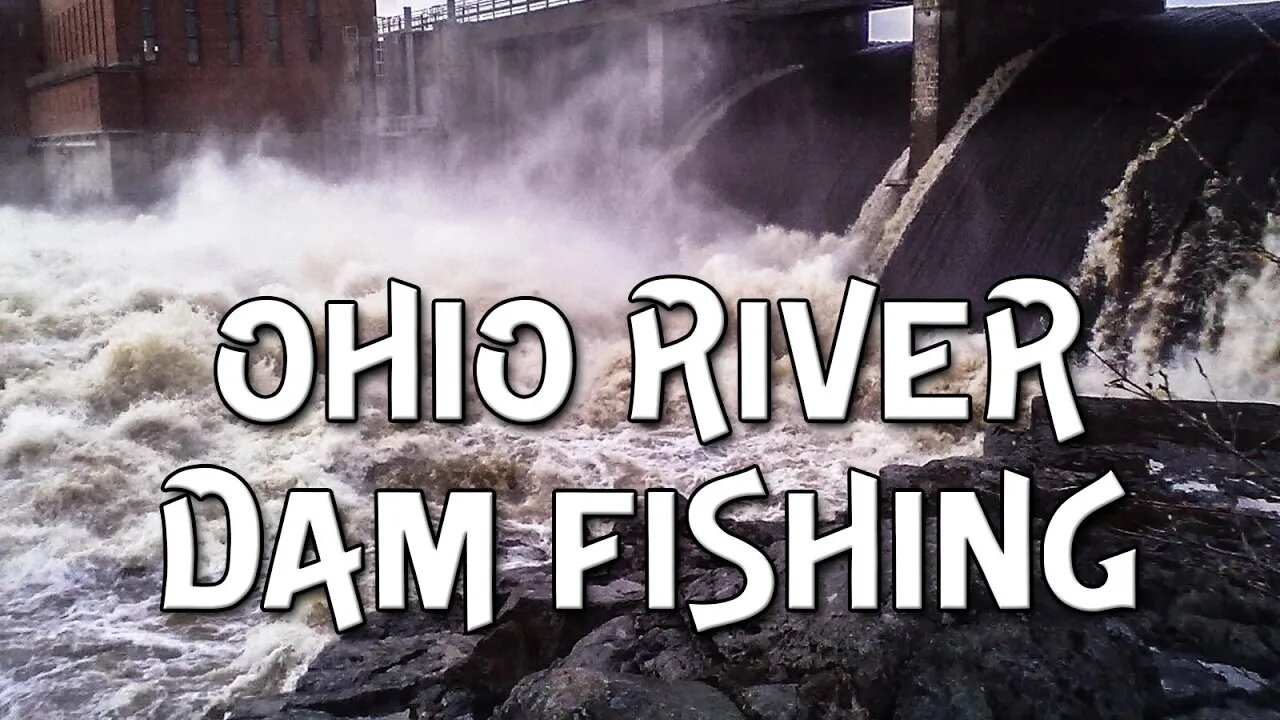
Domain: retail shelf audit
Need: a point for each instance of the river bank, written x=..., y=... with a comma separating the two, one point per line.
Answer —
x=1204, y=641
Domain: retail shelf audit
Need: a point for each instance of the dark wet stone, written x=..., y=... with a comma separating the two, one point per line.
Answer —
x=773, y=702
x=1232, y=711
x=608, y=648
x=575, y=693
x=1188, y=681
x=1011, y=666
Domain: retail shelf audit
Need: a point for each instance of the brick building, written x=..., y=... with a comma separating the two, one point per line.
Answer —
x=123, y=86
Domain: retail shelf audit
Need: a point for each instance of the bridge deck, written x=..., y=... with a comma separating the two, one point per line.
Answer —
x=504, y=19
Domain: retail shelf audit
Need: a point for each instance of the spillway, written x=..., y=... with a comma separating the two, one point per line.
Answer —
x=811, y=169
x=1082, y=149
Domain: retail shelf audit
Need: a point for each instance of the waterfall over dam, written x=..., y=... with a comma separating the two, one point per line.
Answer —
x=1026, y=188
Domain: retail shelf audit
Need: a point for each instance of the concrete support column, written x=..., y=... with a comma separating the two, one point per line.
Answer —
x=655, y=84
x=454, y=74
x=498, y=88
x=410, y=65
x=934, y=77
x=362, y=97
x=856, y=29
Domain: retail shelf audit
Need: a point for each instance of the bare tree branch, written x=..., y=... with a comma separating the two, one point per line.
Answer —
x=1163, y=395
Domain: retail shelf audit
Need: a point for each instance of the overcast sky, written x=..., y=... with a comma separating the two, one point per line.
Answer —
x=885, y=24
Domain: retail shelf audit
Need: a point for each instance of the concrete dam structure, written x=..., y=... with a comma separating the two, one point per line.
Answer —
x=1079, y=151
x=1099, y=136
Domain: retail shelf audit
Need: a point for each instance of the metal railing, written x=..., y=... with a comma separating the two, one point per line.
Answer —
x=421, y=20
x=493, y=9
x=480, y=11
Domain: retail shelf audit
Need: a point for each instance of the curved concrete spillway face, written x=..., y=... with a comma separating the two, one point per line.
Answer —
x=1104, y=152
x=805, y=149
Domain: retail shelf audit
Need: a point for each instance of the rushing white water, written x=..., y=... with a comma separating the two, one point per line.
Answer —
x=107, y=332
x=1236, y=356
x=931, y=170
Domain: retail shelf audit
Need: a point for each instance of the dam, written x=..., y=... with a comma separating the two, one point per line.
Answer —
x=1000, y=141
x=934, y=133
x=459, y=67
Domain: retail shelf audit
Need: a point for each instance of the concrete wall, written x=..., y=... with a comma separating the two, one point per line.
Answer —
x=78, y=172
x=461, y=81
x=138, y=168
x=21, y=178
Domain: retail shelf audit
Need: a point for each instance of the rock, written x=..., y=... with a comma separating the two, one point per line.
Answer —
x=1189, y=683
x=1110, y=421
x=576, y=694
x=1005, y=665
x=381, y=676
x=774, y=702
x=676, y=654
x=859, y=653
x=824, y=695
x=661, y=646
x=268, y=708
x=281, y=706
x=608, y=648
x=409, y=659
x=1170, y=452
x=440, y=702
x=1232, y=711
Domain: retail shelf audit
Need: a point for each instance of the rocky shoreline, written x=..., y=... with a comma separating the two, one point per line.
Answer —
x=1203, y=643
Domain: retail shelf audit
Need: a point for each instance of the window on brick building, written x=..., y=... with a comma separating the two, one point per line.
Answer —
x=235, y=50
x=274, y=45
x=193, y=33
x=150, y=49
x=313, y=30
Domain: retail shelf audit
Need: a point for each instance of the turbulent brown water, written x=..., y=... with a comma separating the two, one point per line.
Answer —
x=108, y=327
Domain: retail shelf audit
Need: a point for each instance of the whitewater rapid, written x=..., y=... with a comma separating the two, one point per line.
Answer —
x=107, y=332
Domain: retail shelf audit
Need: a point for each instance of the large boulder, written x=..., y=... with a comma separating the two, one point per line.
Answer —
x=658, y=645
x=577, y=693
x=1003, y=666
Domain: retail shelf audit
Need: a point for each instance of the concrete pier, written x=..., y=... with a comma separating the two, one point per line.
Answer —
x=655, y=62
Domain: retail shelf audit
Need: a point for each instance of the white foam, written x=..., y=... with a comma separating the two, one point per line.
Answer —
x=931, y=170
x=110, y=324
